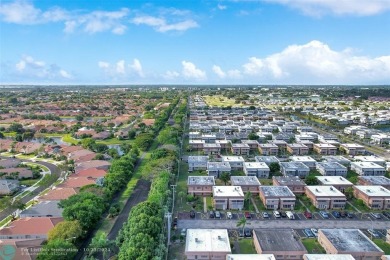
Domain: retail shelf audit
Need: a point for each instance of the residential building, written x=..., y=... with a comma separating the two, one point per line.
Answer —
x=250, y=257
x=309, y=144
x=267, y=159
x=328, y=257
x=43, y=209
x=325, y=149
x=268, y=149
x=258, y=169
x=25, y=249
x=375, y=180
x=297, y=149
x=338, y=182
x=375, y=197
x=8, y=187
x=25, y=228
x=77, y=182
x=228, y=197
x=282, y=243
x=236, y=162
x=17, y=173
x=326, y=197
x=253, y=144
x=225, y=144
x=211, y=148
x=240, y=149
x=200, y=185
x=195, y=144
x=294, y=169
x=368, y=169
x=209, y=138
x=349, y=241
x=247, y=183
x=196, y=163
x=58, y=194
x=307, y=160
x=207, y=244
x=277, y=197
x=352, y=149
x=217, y=168
x=339, y=159
x=372, y=159
x=10, y=163
x=331, y=169
x=294, y=183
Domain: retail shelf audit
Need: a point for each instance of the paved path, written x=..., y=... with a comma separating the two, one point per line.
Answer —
x=254, y=205
x=231, y=224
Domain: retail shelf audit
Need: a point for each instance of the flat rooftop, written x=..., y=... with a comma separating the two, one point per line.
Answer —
x=296, y=145
x=352, y=146
x=256, y=165
x=211, y=145
x=289, y=180
x=376, y=180
x=276, y=191
x=218, y=165
x=369, y=165
x=233, y=159
x=325, y=145
x=250, y=257
x=268, y=145
x=328, y=257
x=350, y=240
x=372, y=190
x=244, y=180
x=331, y=166
x=333, y=180
x=201, y=180
x=369, y=159
x=325, y=191
x=294, y=165
x=207, y=240
x=302, y=159
x=274, y=240
x=336, y=158
x=195, y=141
x=240, y=146
x=267, y=159
x=228, y=191
x=193, y=158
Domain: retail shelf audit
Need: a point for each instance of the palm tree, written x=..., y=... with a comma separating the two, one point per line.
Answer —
x=241, y=223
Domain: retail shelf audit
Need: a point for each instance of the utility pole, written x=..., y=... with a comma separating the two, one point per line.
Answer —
x=168, y=216
x=173, y=195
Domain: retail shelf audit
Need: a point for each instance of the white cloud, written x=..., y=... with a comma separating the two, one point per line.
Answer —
x=220, y=73
x=337, y=7
x=190, y=71
x=221, y=7
x=137, y=67
x=161, y=24
x=103, y=65
x=170, y=75
x=120, y=67
x=19, y=12
x=65, y=74
x=316, y=63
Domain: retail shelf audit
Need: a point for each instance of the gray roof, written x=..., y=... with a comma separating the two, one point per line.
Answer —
x=244, y=180
x=331, y=165
x=279, y=240
x=376, y=180
x=44, y=208
x=267, y=159
x=276, y=191
x=289, y=180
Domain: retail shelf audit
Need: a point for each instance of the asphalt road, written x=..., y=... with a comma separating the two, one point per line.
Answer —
x=285, y=223
x=54, y=171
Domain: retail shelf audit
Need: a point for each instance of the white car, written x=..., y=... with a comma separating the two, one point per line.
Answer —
x=229, y=215
x=315, y=231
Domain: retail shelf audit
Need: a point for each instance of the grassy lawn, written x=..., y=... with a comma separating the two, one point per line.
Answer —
x=383, y=245
x=220, y=101
x=209, y=202
x=5, y=221
x=29, y=182
x=10, y=134
x=266, y=182
x=25, y=156
x=360, y=206
x=43, y=168
x=258, y=203
x=67, y=138
x=114, y=141
x=312, y=246
x=246, y=246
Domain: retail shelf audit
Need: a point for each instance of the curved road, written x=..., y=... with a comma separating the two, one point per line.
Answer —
x=54, y=171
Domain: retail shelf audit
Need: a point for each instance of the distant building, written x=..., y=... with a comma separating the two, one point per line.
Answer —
x=267, y=159
x=217, y=168
x=236, y=162
x=200, y=185
x=258, y=169
x=240, y=149
x=196, y=163
x=339, y=159
x=338, y=182
x=307, y=160
x=247, y=183
x=8, y=187
x=375, y=197
x=375, y=180
x=353, y=149
x=294, y=169
x=331, y=169
x=277, y=197
x=228, y=197
x=251, y=257
x=297, y=149
x=368, y=169
x=328, y=257
x=372, y=159
x=268, y=149
x=325, y=149
x=326, y=197
x=211, y=148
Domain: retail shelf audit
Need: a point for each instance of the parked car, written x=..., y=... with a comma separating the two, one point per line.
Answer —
x=315, y=232
x=375, y=215
x=324, y=214
x=192, y=214
x=290, y=215
x=265, y=215
x=248, y=215
x=183, y=232
x=217, y=214
x=211, y=214
x=343, y=214
x=308, y=232
x=386, y=214
x=350, y=215
x=247, y=232
x=174, y=222
x=283, y=214
x=229, y=215
x=336, y=214
x=241, y=232
x=373, y=233
x=307, y=214
x=276, y=214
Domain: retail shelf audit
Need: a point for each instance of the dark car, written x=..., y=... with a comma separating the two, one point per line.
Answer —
x=386, y=214
x=248, y=232
x=241, y=232
x=174, y=222
x=248, y=215
x=211, y=214
x=283, y=214
x=350, y=215
x=343, y=214
x=307, y=214
x=192, y=214
x=336, y=214
x=308, y=232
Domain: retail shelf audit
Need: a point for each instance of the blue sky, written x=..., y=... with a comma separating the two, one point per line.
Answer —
x=195, y=42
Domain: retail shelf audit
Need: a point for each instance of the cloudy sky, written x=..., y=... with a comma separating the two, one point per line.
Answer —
x=195, y=42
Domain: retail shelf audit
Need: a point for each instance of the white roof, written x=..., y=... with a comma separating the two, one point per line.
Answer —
x=372, y=190
x=369, y=165
x=352, y=145
x=328, y=257
x=369, y=159
x=233, y=159
x=256, y=165
x=302, y=159
x=333, y=180
x=228, y=191
x=325, y=191
x=207, y=240
x=250, y=257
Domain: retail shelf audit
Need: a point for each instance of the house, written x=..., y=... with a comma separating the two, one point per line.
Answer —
x=282, y=243
x=25, y=249
x=349, y=241
x=228, y=197
x=375, y=197
x=217, y=168
x=375, y=180
x=247, y=183
x=77, y=182
x=207, y=244
x=211, y=148
x=200, y=185
x=58, y=194
x=240, y=149
x=325, y=149
x=258, y=169
x=8, y=187
x=294, y=169
x=372, y=159
x=18, y=173
x=253, y=144
x=338, y=182
x=309, y=144
x=368, y=169
x=326, y=197
x=297, y=149
x=196, y=144
x=307, y=160
x=98, y=164
x=236, y=162
x=294, y=183
x=339, y=159
x=277, y=197
x=352, y=149
x=93, y=173
x=268, y=149
x=331, y=169
x=43, y=209
x=197, y=163
x=25, y=228
x=10, y=163
x=225, y=144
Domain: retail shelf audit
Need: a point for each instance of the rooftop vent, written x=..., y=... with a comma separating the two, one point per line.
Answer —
x=196, y=239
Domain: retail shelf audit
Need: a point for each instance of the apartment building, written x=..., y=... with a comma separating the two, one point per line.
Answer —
x=217, y=168
x=375, y=197
x=211, y=148
x=338, y=182
x=200, y=185
x=375, y=181
x=196, y=163
x=307, y=160
x=297, y=149
x=247, y=183
x=326, y=197
x=267, y=159
x=195, y=144
x=268, y=149
x=325, y=149
x=294, y=169
x=331, y=169
x=339, y=159
x=240, y=149
x=277, y=197
x=294, y=183
x=258, y=169
x=236, y=162
x=228, y=197
x=372, y=159
x=368, y=169
x=352, y=149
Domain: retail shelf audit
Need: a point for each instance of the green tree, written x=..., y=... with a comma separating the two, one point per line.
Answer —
x=88, y=143
x=311, y=180
x=66, y=230
x=349, y=193
x=143, y=141
x=274, y=167
x=225, y=177
x=79, y=118
x=241, y=223
x=253, y=136
x=52, y=248
x=100, y=244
